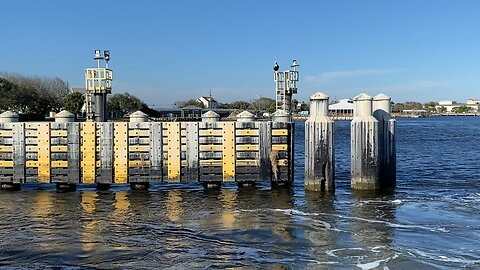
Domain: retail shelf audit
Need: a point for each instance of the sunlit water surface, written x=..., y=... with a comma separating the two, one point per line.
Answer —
x=432, y=221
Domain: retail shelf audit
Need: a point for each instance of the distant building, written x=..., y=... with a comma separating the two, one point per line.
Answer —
x=448, y=105
x=473, y=101
x=208, y=102
x=342, y=109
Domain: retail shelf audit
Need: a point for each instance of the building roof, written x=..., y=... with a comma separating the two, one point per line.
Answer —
x=209, y=99
x=343, y=104
x=191, y=107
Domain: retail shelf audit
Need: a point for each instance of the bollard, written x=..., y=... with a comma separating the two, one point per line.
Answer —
x=8, y=117
x=245, y=116
x=319, y=151
x=364, y=146
x=382, y=110
x=64, y=117
x=138, y=117
x=210, y=117
x=281, y=116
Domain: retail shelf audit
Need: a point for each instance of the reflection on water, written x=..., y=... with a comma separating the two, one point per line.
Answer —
x=420, y=226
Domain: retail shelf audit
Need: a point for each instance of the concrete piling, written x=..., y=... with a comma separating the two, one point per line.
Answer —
x=364, y=146
x=319, y=150
x=64, y=117
x=386, y=140
x=8, y=117
x=138, y=117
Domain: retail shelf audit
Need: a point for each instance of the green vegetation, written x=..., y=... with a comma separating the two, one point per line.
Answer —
x=409, y=105
x=190, y=102
x=73, y=102
x=125, y=103
x=31, y=94
x=462, y=109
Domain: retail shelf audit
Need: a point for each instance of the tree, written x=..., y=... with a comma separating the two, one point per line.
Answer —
x=73, y=102
x=430, y=106
x=294, y=105
x=442, y=109
x=305, y=106
x=35, y=95
x=462, y=109
x=125, y=103
x=264, y=104
x=190, y=102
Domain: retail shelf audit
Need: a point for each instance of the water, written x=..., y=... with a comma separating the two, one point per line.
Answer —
x=430, y=222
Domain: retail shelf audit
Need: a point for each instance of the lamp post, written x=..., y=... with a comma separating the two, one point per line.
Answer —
x=98, y=84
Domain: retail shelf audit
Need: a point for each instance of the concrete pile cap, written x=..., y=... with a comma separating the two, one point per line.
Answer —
x=319, y=96
x=138, y=114
x=8, y=114
x=280, y=113
x=362, y=96
x=245, y=114
x=211, y=114
x=381, y=97
x=64, y=114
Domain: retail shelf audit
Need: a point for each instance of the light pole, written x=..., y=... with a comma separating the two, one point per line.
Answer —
x=285, y=86
x=98, y=84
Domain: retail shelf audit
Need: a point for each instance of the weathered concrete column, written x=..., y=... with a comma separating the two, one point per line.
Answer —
x=245, y=116
x=138, y=117
x=281, y=116
x=382, y=110
x=364, y=145
x=319, y=151
x=64, y=117
x=210, y=117
x=245, y=119
x=8, y=117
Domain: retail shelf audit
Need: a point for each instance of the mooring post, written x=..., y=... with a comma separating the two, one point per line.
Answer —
x=382, y=110
x=7, y=183
x=319, y=150
x=364, y=146
x=245, y=119
x=62, y=118
x=209, y=120
x=282, y=119
x=138, y=117
x=135, y=183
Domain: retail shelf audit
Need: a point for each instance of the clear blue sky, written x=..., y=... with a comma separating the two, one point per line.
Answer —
x=165, y=51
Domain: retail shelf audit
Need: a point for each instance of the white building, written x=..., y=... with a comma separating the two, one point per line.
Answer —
x=473, y=101
x=343, y=108
x=449, y=105
x=208, y=102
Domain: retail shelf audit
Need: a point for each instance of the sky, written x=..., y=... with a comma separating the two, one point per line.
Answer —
x=168, y=51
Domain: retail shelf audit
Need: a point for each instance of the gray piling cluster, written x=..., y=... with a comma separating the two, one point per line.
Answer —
x=382, y=110
x=373, y=150
x=364, y=145
x=319, y=150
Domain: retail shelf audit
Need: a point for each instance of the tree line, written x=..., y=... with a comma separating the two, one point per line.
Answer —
x=31, y=94
x=261, y=104
x=430, y=107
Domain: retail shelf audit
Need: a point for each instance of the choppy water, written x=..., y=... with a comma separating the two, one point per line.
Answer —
x=432, y=221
